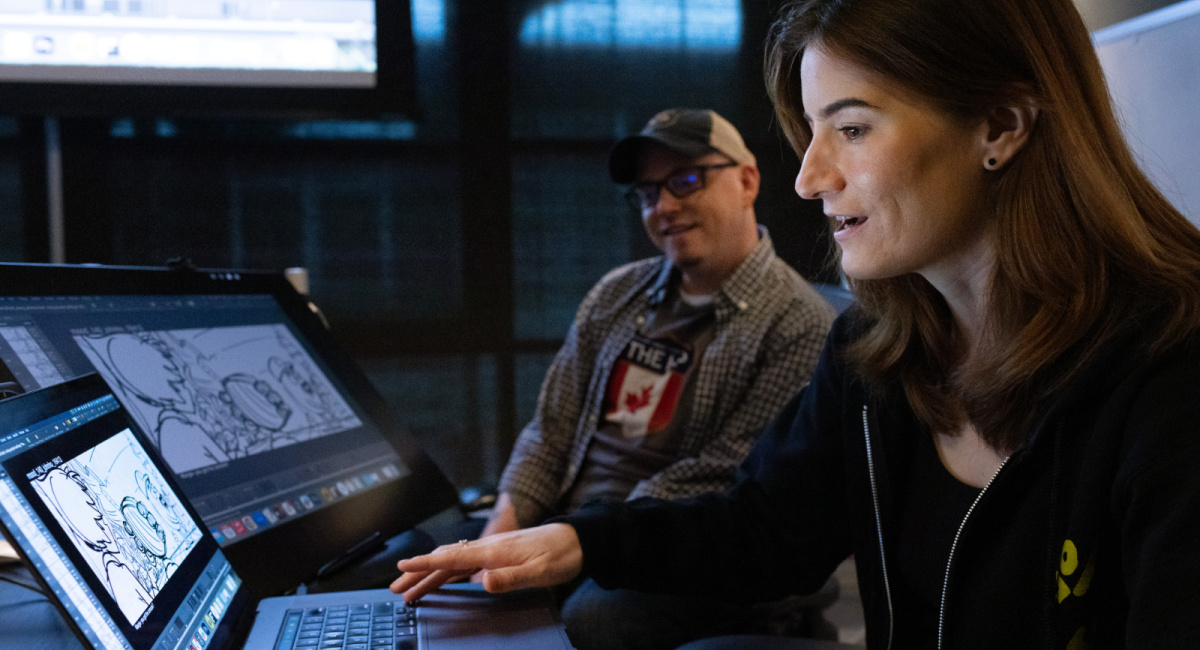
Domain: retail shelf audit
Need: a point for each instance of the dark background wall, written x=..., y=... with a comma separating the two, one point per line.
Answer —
x=448, y=252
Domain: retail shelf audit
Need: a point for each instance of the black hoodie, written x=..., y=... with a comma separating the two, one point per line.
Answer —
x=1087, y=537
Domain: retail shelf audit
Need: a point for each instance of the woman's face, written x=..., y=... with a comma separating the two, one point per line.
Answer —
x=905, y=183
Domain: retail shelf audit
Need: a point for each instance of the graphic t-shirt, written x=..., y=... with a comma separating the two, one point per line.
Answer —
x=647, y=401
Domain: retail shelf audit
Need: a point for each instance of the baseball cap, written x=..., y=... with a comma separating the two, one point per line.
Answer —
x=689, y=132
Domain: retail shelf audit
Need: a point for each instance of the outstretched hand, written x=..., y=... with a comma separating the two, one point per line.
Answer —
x=534, y=557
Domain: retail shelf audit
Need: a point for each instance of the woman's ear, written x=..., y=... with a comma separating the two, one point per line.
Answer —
x=1008, y=129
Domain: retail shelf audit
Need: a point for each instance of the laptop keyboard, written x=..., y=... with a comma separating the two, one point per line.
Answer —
x=370, y=626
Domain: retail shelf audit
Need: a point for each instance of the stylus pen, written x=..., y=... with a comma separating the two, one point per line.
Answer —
x=351, y=554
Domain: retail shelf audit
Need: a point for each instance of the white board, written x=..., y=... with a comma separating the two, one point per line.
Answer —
x=1153, y=67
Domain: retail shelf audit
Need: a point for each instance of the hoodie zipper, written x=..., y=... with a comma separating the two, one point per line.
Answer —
x=887, y=589
x=954, y=547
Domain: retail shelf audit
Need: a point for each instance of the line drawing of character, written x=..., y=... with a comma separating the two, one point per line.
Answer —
x=212, y=395
x=112, y=503
x=77, y=510
x=175, y=519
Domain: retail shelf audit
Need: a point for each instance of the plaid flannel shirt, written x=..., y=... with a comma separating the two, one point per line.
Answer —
x=770, y=328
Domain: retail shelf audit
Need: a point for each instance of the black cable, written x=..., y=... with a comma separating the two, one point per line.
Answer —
x=33, y=588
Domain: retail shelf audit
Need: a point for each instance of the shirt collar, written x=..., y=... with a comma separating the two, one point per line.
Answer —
x=738, y=292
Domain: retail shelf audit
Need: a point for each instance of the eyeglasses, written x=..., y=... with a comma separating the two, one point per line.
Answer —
x=681, y=183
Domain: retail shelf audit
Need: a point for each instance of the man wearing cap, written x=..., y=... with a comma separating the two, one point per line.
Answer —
x=673, y=364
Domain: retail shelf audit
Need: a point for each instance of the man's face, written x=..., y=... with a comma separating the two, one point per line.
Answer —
x=708, y=229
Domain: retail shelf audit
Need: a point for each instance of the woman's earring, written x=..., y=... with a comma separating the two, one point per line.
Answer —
x=990, y=164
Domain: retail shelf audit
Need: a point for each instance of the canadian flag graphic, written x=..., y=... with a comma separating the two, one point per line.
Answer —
x=644, y=387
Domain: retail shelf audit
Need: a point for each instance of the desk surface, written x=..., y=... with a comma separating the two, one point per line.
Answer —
x=29, y=621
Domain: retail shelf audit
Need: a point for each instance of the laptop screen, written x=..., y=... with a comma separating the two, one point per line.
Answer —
x=272, y=433
x=105, y=527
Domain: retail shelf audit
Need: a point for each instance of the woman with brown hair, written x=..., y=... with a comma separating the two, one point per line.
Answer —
x=1004, y=431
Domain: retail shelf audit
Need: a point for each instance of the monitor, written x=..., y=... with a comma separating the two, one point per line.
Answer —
x=275, y=435
x=205, y=56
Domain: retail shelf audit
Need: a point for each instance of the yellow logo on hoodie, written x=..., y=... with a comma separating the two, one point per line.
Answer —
x=1068, y=565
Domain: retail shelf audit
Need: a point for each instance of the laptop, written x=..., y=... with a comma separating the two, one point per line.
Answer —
x=96, y=515
x=272, y=431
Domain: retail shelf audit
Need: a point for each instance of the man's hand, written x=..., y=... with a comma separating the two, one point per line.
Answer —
x=534, y=557
x=503, y=518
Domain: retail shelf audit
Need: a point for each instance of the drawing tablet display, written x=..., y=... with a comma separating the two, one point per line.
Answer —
x=110, y=539
x=120, y=552
x=276, y=437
